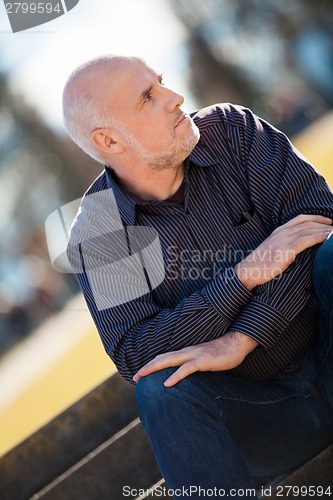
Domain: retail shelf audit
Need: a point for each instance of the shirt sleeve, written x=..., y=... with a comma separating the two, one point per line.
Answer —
x=135, y=331
x=282, y=185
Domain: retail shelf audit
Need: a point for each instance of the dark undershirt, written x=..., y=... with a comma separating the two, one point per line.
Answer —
x=178, y=196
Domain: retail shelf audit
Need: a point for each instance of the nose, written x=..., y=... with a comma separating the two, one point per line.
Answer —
x=173, y=100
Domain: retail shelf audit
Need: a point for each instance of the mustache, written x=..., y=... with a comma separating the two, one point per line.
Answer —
x=179, y=115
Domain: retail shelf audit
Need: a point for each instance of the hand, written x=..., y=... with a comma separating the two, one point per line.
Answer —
x=223, y=353
x=280, y=249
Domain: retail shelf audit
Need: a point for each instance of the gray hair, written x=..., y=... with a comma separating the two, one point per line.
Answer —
x=84, y=112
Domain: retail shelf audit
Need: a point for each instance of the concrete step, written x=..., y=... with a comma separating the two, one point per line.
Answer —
x=317, y=473
x=63, y=442
x=122, y=467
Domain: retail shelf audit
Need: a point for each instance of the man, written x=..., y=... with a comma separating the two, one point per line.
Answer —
x=233, y=372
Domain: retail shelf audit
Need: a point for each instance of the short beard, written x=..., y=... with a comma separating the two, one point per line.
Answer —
x=163, y=160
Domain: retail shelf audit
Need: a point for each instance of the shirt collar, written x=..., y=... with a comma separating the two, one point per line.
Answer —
x=201, y=155
x=126, y=203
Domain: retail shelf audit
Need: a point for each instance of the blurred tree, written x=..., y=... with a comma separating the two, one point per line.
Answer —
x=275, y=56
x=39, y=172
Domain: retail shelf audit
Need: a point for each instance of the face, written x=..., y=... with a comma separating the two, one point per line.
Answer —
x=153, y=126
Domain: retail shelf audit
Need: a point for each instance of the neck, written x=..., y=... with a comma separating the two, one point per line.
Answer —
x=151, y=184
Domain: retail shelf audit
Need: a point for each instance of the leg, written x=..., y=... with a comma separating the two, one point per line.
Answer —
x=191, y=444
x=211, y=429
x=323, y=286
x=279, y=424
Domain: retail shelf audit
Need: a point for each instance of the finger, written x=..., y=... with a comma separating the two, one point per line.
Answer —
x=183, y=371
x=161, y=362
x=307, y=232
x=303, y=220
x=304, y=242
x=290, y=230
x=300, y=219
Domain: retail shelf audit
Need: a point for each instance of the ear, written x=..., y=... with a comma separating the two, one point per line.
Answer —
x=107, y=140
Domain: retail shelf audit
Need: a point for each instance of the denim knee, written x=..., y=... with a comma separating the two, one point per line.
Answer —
x=151, y=394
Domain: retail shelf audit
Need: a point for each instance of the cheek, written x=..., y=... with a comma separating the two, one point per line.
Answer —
x=157, y=136
x=154, y=135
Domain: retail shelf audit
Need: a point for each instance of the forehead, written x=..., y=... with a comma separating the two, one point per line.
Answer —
x=128, y=82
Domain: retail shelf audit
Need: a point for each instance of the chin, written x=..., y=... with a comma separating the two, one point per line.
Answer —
x=192, y=139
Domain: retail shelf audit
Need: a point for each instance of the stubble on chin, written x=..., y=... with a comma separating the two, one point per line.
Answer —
x=166, y=160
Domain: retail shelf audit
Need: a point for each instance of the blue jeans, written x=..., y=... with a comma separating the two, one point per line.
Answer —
x=216, y=431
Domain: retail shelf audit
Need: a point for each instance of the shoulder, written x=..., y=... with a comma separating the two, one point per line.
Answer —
x=99, y=184
x=221, y=114
x=224, y=130
x=90, y=213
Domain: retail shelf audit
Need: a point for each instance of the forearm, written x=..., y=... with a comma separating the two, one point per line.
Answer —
x=286, y=255
x=276, y=303
x=280, y=249
x=135, y=332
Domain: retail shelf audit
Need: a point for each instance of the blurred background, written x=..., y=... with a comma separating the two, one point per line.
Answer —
x=274, y=56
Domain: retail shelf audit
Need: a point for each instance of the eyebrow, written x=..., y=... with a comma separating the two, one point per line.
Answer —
x=147, y=91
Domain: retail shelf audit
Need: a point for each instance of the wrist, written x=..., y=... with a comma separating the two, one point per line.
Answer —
x=244, y=342
x=244, y=276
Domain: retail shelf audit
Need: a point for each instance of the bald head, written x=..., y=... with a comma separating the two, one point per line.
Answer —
x=85, y=106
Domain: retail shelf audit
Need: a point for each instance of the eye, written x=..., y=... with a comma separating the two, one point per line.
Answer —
x=148, y=97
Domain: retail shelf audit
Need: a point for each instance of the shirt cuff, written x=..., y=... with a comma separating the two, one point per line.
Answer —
x=227, y=294
x=261, y=322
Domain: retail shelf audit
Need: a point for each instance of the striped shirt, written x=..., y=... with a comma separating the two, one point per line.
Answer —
x=242, y=180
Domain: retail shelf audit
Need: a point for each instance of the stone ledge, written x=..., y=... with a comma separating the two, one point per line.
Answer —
x=61, y=443
x=125, y=460
x=316, y=472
